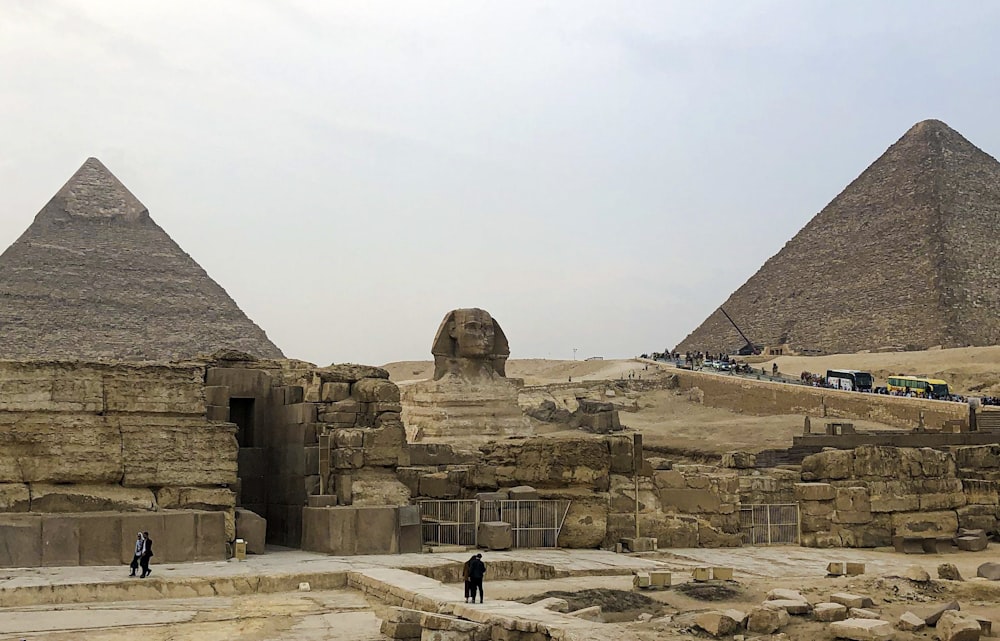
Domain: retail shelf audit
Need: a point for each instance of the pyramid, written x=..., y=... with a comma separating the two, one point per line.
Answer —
x=905, y=257
x=94, y=278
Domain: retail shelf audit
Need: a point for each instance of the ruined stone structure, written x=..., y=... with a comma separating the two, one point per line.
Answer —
x=470, y=396
x=91, y=453
x=94, y=278
x=905, y=256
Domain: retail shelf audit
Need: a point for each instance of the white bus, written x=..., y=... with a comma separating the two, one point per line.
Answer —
x=849, y=379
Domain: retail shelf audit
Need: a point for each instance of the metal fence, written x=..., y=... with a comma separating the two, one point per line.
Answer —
x=449, y=522
x=770, y=524
x=534, y=524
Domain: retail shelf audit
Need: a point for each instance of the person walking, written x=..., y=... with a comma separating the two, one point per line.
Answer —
x=477, y=570
x=466, y=579
x=139, y=544
x=147, y=554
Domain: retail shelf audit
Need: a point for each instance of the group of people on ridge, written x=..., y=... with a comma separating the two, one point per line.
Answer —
x=143, y=553
x=473, y=572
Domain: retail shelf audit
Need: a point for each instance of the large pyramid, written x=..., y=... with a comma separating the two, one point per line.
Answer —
x=93, y=277
x=906, y=256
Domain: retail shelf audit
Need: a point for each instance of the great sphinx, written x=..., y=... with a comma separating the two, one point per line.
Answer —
x=469, y=344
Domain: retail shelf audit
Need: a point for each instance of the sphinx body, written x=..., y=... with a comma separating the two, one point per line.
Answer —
x=470, y=396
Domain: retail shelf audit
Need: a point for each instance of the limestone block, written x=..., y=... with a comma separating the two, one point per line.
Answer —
x=672, y=479
x=195, y=498
x=522, y=493
x=717, y=623
x=854, y=569
x=14, y=497
x=828, y=465
x=791, y=606
x=669, y=530
x=334, y=392
x=60, y=448
x=862, y=630
x=349, y=373
x=930, y=502
x=90, y=498
x=587, y=520
x=932, y=618
x=909, y=622
x=766, y=620
x=344, y=458
x=944, y=523
x=971, y=543
x=815, y=492
x=593, y=613
x=210, y=536
x=989, y=570
x=495, y=535
x=851, y=600
x=60, y=540
x=158, y=451
x=829, y=612
x=978, y=517
x=394, y=630
x=554, y=604
x=438, y=486
x=376, y=487
x=954, y=627
x=179, y=541
x=739, y=460
x=162, y=389
x=689, y=501
x=384, y=446
x=917, y=574
x=375, y=390
x=863, y=613
x=949, y=572
x=252, y=528
x=850, y=518
x=338, y=418
x=784, y=594
x=852, y=499
x=21, y=537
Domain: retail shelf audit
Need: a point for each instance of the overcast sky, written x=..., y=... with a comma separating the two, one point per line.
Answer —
x=597, y=175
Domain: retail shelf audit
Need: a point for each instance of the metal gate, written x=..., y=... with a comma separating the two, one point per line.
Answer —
x=449, y=522
x=534, y=524
x=770, y=524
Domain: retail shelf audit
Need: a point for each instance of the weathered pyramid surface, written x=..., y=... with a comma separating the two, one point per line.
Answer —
x=93, y=277
x=906, y=256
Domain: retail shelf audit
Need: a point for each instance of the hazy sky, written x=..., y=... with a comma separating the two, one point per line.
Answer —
x=597, y=175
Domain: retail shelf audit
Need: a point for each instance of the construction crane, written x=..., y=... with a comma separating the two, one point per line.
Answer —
x=749, y=348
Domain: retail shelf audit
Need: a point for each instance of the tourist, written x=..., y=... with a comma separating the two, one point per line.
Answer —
x=477, y=570
x=467, y=580
x=138, y=553
x=147, y=554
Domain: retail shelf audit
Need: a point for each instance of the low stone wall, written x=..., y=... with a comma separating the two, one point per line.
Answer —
x=765, y=398
x=108, y=538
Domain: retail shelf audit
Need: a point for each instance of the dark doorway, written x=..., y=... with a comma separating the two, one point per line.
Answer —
x=241, y=413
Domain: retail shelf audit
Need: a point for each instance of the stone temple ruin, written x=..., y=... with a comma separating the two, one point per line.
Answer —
x=230, y=440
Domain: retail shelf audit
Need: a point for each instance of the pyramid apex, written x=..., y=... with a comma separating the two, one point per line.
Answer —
x=93, y=192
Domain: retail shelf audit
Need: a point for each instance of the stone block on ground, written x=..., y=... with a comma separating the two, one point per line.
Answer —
x=791, y=606
x=935, y=615
x=863, y=613
x=971, y=543
x=717, y=624
x=252, y=528
x=989, y=570
x=909, y=622
x=949, y=572
x=766, y=621
x=640, y=544
x=862, y=630
x=593, y=613
x=554, y=604
x=916, y=574
x=495, y=535
x=784, y=594
x=953, y=626
x=397, y=630
x=851, y=600
x=829, y=612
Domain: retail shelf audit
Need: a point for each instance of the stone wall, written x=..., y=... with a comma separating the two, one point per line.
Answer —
x=86, y=446
x=764, y=398
x=866, y=496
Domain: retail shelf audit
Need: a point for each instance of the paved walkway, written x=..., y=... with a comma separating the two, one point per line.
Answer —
x=283, y=570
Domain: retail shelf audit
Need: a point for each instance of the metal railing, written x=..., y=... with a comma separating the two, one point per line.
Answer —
x=770, y=524
x=534, y=524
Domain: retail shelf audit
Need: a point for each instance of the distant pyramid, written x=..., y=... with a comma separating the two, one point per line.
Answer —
x=907, y=255
x=93, y=277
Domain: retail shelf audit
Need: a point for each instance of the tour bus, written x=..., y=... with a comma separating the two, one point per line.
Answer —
x=849, y=379
x=918, y=386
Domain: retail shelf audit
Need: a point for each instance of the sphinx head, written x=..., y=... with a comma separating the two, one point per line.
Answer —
x=470, y=337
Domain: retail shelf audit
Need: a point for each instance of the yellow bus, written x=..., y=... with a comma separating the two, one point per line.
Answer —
x=918, y=386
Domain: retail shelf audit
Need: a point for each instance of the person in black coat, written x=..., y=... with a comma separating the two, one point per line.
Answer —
x=147, y=554
x=477, y=570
